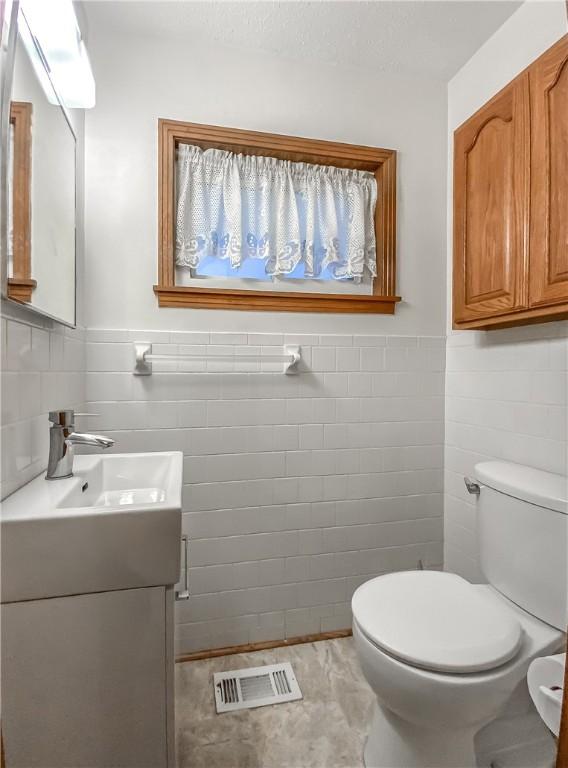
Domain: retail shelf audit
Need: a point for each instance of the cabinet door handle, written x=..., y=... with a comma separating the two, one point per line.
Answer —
x=183, y=594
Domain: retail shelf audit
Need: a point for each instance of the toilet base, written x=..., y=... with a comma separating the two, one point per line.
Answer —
x=396, y=743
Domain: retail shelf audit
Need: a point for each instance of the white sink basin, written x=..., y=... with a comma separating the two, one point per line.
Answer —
x=115, y=524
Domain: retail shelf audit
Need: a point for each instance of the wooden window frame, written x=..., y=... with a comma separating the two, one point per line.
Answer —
x=20, y=284
x=380, y=162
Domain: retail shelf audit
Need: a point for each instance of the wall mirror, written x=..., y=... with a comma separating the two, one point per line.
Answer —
x=40, y=183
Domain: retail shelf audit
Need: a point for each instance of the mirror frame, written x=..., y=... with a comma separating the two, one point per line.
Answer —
x=18, y=289
x=8, y=31
x=20, y=284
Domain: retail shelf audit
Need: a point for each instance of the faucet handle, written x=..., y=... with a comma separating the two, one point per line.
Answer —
x=63, y=418
x=66, y=418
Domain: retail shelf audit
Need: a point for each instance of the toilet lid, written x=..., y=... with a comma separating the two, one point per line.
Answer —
x=437, y=621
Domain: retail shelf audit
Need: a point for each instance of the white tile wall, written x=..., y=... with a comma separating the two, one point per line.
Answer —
x=42, y=368
x=296, y=488
x=506, y=398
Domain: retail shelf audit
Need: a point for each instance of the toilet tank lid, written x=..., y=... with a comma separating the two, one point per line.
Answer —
x=526, y=483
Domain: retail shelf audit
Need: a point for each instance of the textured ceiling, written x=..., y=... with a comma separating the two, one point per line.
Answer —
x=428, y=37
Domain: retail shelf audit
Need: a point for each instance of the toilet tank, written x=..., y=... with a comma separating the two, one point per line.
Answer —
x=523, y=536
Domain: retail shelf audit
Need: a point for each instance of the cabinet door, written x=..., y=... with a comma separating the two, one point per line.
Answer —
x=84, y=681
x=491, y=207
x=549, y=177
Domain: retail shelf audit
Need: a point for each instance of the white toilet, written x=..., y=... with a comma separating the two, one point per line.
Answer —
x=442, y=655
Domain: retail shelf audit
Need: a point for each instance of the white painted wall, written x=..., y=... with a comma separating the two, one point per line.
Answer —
x=141, y=79
x=506, y=390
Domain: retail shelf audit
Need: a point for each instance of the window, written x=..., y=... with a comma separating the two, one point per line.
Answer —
x=259, y=221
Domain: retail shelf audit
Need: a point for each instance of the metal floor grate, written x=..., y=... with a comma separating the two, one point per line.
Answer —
x=255, y=687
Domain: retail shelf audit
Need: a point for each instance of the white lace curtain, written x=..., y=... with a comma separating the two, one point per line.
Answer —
x=300, y=220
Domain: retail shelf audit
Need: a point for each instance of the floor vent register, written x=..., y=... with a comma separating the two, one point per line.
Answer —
x=255, y=687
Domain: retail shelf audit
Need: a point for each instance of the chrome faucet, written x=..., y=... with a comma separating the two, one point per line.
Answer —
x=62, y=438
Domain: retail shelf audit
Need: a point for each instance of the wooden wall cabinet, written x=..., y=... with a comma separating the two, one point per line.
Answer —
x=511, y=202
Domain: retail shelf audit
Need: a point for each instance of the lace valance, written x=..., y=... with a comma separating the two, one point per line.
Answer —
x=300, y=220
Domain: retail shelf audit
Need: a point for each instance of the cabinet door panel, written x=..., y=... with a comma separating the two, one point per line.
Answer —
x=84, y=681
x=549, y=177
x=491, y=206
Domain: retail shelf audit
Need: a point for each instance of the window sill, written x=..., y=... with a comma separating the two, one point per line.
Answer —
x=21, y=288
x=272, y=301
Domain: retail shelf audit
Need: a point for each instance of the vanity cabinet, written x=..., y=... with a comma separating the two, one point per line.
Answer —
x=511, y=202
x=87, y=680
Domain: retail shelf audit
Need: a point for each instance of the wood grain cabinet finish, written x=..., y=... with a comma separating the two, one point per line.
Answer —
x=491, y=186
x=549, y=177
x=511, y=202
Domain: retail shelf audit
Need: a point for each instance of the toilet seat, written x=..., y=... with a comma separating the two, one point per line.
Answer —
x=436, y=621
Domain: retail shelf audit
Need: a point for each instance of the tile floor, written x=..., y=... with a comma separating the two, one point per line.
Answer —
x=328, y=728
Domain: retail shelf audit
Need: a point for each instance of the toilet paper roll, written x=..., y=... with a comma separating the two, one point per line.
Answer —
x=545, y=679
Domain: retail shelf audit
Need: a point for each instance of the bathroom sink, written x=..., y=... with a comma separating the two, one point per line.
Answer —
x=121, y=480
x=115, y=524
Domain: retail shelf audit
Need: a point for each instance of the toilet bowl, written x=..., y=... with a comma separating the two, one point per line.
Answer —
x=443, y=657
